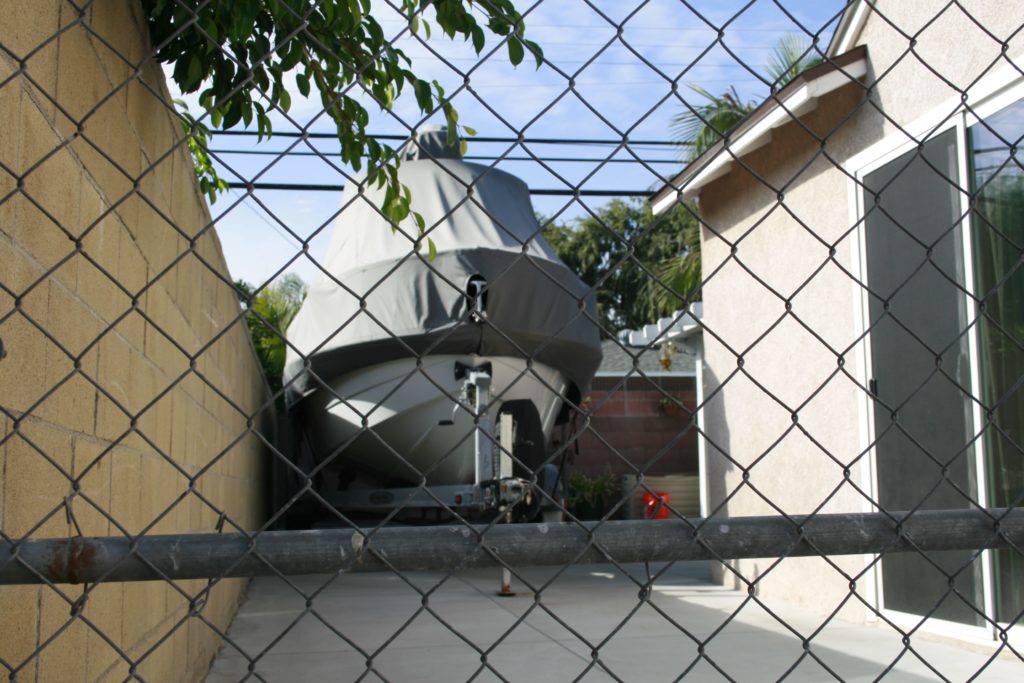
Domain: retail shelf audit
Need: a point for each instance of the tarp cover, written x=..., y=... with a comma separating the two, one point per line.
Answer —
x=381, y=299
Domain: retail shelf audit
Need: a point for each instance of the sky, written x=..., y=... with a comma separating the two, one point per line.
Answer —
x=623, y=86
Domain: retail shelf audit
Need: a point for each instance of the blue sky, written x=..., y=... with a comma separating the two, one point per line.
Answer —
x=617, y=93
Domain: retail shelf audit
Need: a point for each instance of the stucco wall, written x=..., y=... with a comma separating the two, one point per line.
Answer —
x=786, y=410
x=776, y=363
x=100, y=413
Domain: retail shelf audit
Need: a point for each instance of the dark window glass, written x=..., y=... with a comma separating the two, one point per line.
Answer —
x=919, y=351
x=997, y=186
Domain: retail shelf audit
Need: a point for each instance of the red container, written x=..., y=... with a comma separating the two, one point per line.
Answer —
x=656, y=505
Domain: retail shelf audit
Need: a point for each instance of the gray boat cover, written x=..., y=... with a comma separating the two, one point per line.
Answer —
x=379, y=299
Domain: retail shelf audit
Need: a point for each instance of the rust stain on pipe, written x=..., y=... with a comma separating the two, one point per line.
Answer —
x=81, y=558
x=55, y=566
x=69, y=561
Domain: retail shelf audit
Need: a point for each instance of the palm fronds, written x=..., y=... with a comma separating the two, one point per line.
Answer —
x=790, y=57
x=700, y=126
x=680, y=275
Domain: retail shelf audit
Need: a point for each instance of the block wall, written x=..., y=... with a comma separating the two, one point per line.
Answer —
x=644, y=420
x=128, y=376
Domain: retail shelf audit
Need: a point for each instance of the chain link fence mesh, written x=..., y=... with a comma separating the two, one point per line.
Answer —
x=807, y=344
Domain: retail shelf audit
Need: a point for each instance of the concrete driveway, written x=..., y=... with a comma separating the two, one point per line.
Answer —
x=376, y=627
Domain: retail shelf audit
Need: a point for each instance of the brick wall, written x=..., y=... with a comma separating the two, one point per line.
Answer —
x=630, y=418
x=103, y=419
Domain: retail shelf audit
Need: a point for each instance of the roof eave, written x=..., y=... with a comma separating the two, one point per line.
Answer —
x=796, y=99
x=850, y=25
x=679, y=325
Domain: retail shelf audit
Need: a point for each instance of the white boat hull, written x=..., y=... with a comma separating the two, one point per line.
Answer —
x=416, y=424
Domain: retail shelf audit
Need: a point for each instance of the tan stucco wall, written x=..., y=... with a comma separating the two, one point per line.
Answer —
x=75, y=426
x=782, y=243
x=783, y=364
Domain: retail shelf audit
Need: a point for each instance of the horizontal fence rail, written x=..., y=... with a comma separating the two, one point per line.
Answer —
x=446, y=548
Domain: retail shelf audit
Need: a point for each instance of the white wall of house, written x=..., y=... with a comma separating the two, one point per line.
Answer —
x=769, y=227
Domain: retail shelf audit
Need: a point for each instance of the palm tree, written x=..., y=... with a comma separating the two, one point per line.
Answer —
x=698, y=128
x=679, y=275
x=270, y=312
x=790, y=57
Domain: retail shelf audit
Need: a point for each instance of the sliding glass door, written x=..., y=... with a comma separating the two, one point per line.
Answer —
x=997, y=226
x=920, y=365
x=925, y=317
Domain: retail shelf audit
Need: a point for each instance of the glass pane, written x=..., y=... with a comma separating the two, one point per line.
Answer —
x=920, y=362
x=998, y=230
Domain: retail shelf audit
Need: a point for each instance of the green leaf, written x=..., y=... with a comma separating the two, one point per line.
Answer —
x=499, y=25
x=239, y=53
x=431, y=250
x=234, y=113
x=423, y=98
x=195, y=72
x=462, y=148
x=264, y=124
x=515, y=51
x=292, y=57
x=538, y=54
x=478, y=38
x=355, y=10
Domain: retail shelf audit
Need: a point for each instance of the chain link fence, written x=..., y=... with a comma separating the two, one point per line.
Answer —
x=670, y=364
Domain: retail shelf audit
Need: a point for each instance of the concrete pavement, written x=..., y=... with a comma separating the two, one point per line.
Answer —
x=588, y=625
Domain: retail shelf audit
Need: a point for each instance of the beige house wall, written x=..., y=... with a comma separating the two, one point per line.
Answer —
x=100, y=336
x=791, y=415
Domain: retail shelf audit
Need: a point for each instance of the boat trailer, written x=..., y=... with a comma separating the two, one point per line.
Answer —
x=494, y=488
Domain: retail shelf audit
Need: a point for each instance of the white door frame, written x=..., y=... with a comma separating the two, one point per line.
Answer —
x=989, y=96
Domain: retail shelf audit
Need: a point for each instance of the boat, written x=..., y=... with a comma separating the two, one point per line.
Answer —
x=418, y=380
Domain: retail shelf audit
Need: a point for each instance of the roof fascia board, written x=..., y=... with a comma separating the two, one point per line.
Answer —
x=849, y=28
x=644, y=338
x=757, y=136
x=794, y=105
x=837, y=79
x=669, y=199
x=681, y=323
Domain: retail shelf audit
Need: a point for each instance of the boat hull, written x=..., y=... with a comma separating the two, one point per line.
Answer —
x=403, y=421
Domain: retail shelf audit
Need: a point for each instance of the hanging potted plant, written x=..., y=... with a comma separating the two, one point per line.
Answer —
x=671, y=407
